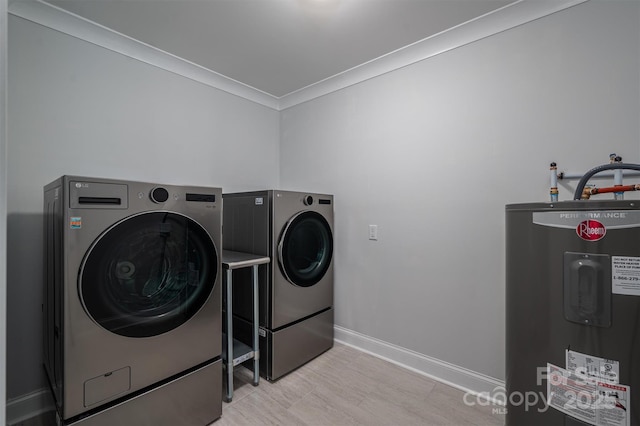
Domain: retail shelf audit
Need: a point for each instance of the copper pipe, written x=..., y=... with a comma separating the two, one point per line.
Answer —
x=579, y=192
x=588, y=192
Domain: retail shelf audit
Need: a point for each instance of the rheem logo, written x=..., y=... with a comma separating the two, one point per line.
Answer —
x=591, y=230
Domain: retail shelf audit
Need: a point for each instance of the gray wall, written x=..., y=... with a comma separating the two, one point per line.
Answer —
x=432, y=152
x=75, y=108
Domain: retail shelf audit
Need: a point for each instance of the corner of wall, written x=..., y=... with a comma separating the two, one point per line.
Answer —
x=3, y=202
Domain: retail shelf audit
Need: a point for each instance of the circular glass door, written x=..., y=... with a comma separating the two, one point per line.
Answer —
x=305, y=249
x=148, y=274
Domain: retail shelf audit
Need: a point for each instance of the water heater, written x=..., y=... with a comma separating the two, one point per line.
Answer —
x=573, y=313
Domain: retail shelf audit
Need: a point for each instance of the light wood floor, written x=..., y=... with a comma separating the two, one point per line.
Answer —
x=345, y=386
x=342, y=387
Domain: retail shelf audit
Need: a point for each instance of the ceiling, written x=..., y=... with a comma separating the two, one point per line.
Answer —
x=279, y=46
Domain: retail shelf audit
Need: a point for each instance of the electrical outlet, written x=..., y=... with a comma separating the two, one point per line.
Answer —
x=373, y=232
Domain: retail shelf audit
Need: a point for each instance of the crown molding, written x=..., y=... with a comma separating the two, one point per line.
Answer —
x=503, y=19
x=57, y=19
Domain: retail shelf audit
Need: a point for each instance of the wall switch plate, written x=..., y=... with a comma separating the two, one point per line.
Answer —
x=373, y=232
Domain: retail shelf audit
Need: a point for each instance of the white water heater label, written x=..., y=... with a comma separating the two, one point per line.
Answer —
x=625, y=273
x=606, y=370
x=587, y=399
x=609, y=219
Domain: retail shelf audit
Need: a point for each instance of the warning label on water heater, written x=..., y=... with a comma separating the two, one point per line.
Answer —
x=606, y=370
x=588, y=399
x=625, y=274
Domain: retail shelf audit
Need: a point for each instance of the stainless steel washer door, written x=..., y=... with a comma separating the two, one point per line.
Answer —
x=148, y=274
x=305, y=249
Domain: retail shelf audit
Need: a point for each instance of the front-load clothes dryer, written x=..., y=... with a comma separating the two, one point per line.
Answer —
x=132, y=302
x=295, y=229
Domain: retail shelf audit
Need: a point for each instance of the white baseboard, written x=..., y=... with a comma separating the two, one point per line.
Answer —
x=450, y=374
x=40, y=401
x=29, y=405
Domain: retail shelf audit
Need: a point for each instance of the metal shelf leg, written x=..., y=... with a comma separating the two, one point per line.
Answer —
x=229, y=365
x=256, y=328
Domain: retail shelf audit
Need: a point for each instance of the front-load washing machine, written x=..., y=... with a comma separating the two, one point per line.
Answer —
x=132, y=302
x=295, y=229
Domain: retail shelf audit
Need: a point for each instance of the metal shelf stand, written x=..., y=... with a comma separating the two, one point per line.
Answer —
x=235, y=352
